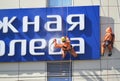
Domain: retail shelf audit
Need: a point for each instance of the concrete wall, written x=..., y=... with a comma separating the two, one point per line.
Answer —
x=8, y=4
x=105, y=69
x=108, y=68
x=28, y=71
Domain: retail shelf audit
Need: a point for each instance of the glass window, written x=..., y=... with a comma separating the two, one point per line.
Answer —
x=59, y=3
x=59, y=71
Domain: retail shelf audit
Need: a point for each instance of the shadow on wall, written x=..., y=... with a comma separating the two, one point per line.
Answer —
x=90, y=75
x=105, y=22
x=116, y=53
x=98, y=73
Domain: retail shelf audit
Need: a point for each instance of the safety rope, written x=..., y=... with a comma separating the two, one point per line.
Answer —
x=18, y=61
x=107, y=57
x=119, y=18
x=108, y=25
x=70, y=61
x=118, y=8
x=62, y=32
x=100, y=43
x=65, y=33
x=100, y=47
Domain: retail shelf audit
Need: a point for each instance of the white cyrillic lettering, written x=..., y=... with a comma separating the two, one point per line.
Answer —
x=51, y=47
x=57, y=23
x=33, y=47
x=12, y=47
x=2, y=48
x=6, y=24
x=35, y=23
x=81, y=45
x=74, y=24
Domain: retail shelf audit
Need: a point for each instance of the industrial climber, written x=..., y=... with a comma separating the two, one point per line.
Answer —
x=108, y=41
x=65, y=46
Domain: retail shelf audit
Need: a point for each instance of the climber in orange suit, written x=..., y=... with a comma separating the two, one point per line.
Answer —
x=65, y=46
x=108, y=41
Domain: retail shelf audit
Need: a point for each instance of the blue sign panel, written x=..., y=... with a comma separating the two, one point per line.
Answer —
x=28, y=34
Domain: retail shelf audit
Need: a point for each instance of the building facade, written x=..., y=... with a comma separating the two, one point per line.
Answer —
x=104, y=69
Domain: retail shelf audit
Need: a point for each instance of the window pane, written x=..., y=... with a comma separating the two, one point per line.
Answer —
x=59, y=69
x=57, y=3
x=59, y=79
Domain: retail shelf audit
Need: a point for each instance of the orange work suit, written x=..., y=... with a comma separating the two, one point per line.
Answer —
x=66, y=47
x=107, y=42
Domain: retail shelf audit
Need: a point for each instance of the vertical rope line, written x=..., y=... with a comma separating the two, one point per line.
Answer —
x=99, y=41
x=18, y=61
x=72, y=2
x=108, y=14
x=108, y=25
x=47, y=64
x=70, y=66
x=119, y=18
x=19, y=3
x=18, y=70
x=70, y=61
x=102, y=8
x=118, y=8
x=62, y=20
x=67, y=23
x=100, y=46
x=62, y=14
